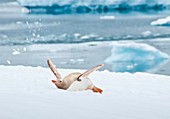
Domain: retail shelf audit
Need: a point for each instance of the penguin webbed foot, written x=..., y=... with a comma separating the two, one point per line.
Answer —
x=97, y=90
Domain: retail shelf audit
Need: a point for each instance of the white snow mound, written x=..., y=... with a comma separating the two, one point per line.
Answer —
x=27, y=93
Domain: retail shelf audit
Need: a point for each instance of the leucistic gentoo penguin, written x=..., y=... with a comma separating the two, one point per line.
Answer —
x=75, y=81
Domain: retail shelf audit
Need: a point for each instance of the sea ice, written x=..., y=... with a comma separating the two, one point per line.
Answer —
x=146, y=33
x=161, y=22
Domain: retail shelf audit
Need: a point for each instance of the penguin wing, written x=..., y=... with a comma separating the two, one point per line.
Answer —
x=53, y=69
x=88, y=72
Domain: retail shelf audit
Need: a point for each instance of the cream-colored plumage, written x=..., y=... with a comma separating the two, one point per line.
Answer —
x=75, y=81
x=69, y=79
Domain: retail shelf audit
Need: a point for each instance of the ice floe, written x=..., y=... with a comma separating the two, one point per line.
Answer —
x=131, y=56
x=161, y=22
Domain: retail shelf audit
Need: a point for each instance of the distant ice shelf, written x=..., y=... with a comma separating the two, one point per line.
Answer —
x=91, y=2
x=86, y=6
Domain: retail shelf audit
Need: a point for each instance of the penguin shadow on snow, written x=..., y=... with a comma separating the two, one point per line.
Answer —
x=75, y=81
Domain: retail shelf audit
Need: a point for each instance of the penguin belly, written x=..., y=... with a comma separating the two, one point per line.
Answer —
x=84, y=84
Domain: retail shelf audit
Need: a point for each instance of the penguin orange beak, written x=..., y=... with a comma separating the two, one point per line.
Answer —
x=53, y=81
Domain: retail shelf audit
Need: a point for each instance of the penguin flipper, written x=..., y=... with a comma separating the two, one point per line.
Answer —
x=53, y=69
x=88, y=72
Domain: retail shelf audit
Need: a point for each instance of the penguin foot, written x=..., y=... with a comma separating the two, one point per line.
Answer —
x=97, y=90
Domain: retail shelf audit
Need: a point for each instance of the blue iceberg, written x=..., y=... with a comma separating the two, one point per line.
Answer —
x=135, y=57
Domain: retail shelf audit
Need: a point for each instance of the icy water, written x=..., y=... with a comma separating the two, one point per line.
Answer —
x=78, y=40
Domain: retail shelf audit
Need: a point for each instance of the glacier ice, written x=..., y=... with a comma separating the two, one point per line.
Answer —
x=161, y=22
x=90, y=2
x=86, y=6
x=132, y=57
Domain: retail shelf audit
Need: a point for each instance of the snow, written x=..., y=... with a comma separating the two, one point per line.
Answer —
x=134, y=56
x=8, y=62
x=27, y=93
x=161, y=22
x=128, y=51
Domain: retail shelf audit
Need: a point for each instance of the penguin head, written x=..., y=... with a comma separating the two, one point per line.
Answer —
x=58, y=83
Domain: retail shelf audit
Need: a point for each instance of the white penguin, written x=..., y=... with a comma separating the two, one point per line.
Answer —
x=75, y=81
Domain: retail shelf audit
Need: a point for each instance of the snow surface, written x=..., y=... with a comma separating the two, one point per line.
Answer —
x=27, y=93
x=161, y=22
x=91, y=2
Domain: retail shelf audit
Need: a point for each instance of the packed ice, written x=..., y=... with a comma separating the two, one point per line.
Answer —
x=161, y=22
